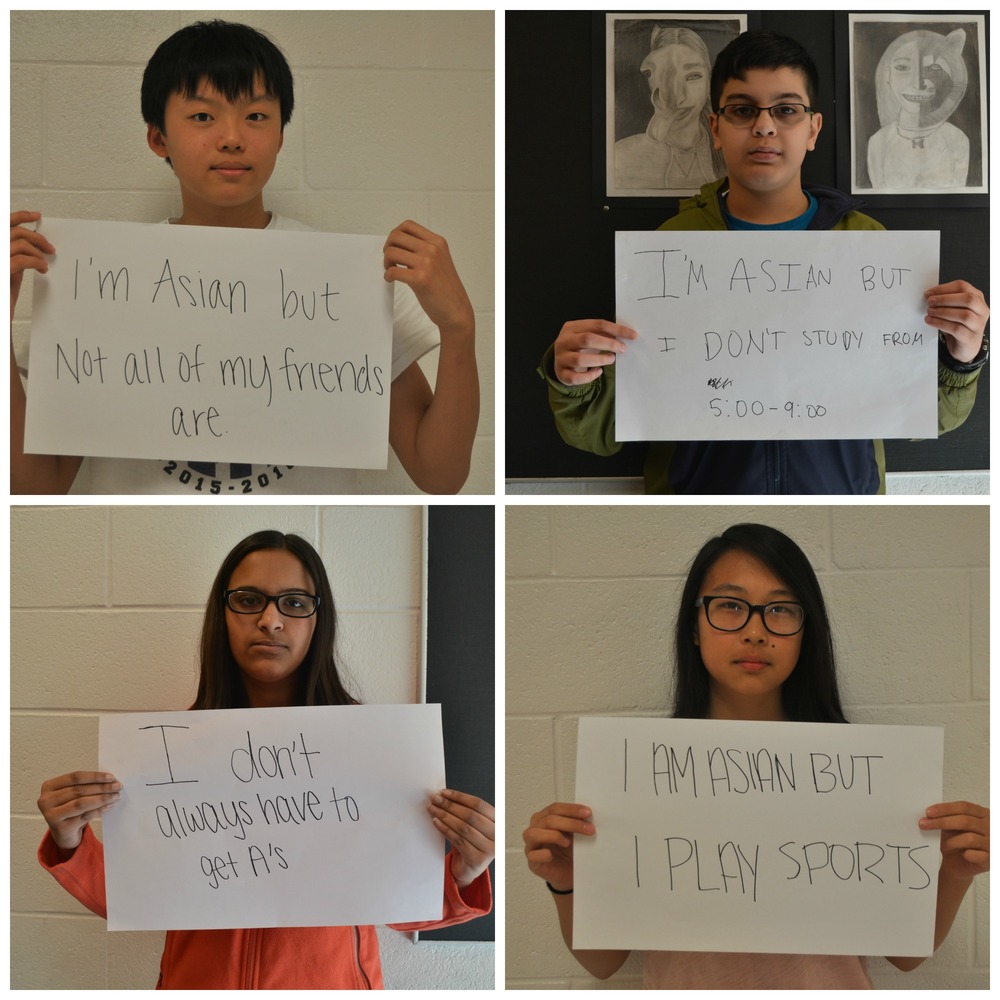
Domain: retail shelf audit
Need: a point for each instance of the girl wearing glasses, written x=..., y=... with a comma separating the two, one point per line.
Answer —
x=753, y=643
x=267, y=641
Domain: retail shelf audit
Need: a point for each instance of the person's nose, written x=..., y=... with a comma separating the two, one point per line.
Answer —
x=764, y=126
x=271, y=618
x=754, y=630
x=231, y=135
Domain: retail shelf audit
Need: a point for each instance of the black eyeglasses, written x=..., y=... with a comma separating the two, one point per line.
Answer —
x=744, y=115
x=252, y=602
x=730, y=614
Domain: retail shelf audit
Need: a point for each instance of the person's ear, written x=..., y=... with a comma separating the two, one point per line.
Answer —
x=157, y=141
x=713, y=124
x=815, y=124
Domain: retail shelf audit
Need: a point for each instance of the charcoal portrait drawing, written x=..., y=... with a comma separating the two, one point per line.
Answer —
x=659, y=104
x=927, y=138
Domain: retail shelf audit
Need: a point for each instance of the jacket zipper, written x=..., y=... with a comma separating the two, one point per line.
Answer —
x=357, y=957
x=252, y=950
x=250, y=960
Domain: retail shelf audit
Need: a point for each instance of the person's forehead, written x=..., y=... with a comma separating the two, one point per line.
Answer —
x=785, y=83
x=739, y=572
x=277, y=568
x=206, y=92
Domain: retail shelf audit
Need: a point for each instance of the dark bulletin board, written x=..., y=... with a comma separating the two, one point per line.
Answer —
x=560, y=235
x=460, y=660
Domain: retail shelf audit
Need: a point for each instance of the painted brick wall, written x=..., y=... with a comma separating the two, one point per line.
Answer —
x=591, y=599
x=106, y=606
x=393, y=120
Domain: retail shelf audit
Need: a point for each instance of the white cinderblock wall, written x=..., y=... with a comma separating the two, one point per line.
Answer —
x=591, y=603
x=106, y=607
x=393, y=120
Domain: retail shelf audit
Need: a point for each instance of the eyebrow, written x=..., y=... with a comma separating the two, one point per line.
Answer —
x=749, y=98
x=259, y=590
x=777, y=592
x=254, y=99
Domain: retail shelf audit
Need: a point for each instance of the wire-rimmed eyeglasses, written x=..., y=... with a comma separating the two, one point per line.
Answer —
x=730, y=614
x=253, y=602
x=744, y=115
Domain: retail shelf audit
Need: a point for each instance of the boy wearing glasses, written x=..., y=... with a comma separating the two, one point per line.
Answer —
x=763, y=86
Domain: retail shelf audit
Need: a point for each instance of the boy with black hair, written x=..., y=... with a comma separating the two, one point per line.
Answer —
x=216, y=98
x=763, y=88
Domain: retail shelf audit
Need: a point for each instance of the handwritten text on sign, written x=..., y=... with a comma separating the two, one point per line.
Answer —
x=749, y=336
x=283, y=817
x=757, y=837
x=231, y=345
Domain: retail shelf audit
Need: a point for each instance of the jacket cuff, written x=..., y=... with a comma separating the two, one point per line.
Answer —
x=82, y=873
x=49, y=854
x=474, y=899
x=548, y=372
x=965, y=367
x=952, y=379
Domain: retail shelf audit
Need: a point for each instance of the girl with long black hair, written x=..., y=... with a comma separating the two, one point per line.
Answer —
x=753, y=643
x=267, y=641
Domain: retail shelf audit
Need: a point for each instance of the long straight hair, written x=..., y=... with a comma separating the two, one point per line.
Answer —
x=810, y=694
x=221, y=684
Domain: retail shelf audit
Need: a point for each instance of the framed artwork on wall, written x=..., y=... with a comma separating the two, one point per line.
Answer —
x=917, y=99
x=651, y=115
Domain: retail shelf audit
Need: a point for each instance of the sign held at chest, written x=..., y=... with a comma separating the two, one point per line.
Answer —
x=752, y=336
x=240, y=346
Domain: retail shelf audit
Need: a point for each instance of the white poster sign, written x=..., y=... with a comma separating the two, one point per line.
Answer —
x=749, y=336
x=231, y=345
x=757, y=837
x=281, y=817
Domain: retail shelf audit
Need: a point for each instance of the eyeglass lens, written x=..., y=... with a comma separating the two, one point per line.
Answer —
x=747, y=114
x=250, y=602
x=731, y=614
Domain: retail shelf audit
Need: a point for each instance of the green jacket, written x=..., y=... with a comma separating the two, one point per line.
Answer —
x=585, y=415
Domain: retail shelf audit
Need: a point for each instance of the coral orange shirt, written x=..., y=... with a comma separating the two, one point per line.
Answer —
x=334, y=958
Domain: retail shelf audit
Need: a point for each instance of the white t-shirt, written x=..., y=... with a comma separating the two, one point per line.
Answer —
x=413, y=335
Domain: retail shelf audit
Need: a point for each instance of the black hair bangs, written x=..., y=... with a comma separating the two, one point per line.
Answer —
x=811, y=693
x=762, y=50
x=234, y=58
